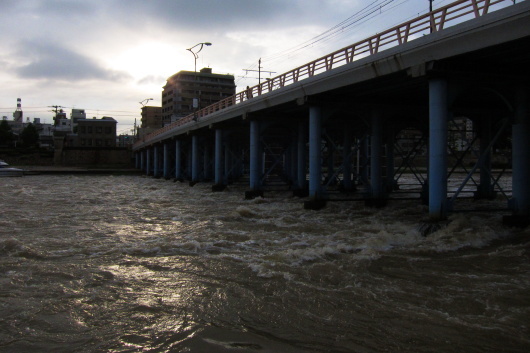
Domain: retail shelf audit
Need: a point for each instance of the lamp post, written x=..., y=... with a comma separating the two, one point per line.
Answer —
x=196, y=103
x=195, y=53
x=145, y=101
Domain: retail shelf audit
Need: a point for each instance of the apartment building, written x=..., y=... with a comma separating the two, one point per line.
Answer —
x=188, y=91
x=151, y=120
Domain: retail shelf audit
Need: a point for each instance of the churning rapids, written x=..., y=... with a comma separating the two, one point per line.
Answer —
x=135, y=264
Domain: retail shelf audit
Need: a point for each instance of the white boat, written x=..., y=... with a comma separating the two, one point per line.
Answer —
x=7, y=171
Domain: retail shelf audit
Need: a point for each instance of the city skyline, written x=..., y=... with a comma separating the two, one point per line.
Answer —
x=106, y=57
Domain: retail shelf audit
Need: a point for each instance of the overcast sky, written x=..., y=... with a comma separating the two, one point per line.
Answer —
x=106, y=56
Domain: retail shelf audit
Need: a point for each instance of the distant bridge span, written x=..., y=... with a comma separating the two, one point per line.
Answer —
x=335, y=123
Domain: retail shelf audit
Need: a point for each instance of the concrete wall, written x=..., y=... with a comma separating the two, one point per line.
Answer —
x=84, y=156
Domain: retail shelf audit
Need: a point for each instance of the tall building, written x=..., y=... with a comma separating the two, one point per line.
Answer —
x=188, y=91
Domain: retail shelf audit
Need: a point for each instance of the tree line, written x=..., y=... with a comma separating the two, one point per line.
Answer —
x=29, y=137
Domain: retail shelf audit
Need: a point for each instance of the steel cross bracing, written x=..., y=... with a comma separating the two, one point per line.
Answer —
x=340, y=131
x=480, y=164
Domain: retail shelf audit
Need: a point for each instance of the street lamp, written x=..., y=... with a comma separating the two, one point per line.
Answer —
x=145, y=101
x=195, y=54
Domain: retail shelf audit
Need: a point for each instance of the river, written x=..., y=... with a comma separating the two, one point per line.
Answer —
x=136, y=264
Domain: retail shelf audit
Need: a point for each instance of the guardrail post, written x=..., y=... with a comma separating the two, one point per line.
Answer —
x=438, y=116
x=520, y=202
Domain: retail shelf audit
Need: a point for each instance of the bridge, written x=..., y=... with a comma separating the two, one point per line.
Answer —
x=444, y=96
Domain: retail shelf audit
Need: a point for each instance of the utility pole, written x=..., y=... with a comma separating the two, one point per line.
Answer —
x=259, y=71
x=430, y=10
x=56, y=109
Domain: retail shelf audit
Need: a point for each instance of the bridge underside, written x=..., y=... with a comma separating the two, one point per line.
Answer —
x=437, y=131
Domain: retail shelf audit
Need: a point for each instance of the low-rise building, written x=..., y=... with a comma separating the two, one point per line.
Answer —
x=75, y=116
x=96, y=132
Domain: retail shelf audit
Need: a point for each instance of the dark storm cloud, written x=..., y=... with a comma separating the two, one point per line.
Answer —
x=204, y=15
x=50, y=61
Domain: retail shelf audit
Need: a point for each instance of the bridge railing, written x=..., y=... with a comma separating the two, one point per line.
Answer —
x=431, y=22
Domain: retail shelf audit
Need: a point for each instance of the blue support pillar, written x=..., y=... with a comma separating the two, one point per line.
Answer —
x=142, y=160
x=220, y=179
x=166, y=160
x=206, y=161
x=315, y=152
x=438, y=117
x=189, y=158
x=194, y=159
x=148, y=161
x=301, y=157
x=228, y=163
x=156, y=165
x=219, y=157
x=520, y=202
x=178, y=160
x=255, y=162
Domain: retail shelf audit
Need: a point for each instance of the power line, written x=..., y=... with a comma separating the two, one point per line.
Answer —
x=360, y=17
x=259, y=71
x=338, y=28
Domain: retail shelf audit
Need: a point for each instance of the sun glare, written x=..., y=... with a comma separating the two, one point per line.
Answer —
x=150, y=59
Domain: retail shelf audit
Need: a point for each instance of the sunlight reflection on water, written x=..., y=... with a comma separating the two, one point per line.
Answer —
x=119, y=264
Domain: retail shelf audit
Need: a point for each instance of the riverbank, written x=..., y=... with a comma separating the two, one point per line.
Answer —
x=38, y=169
